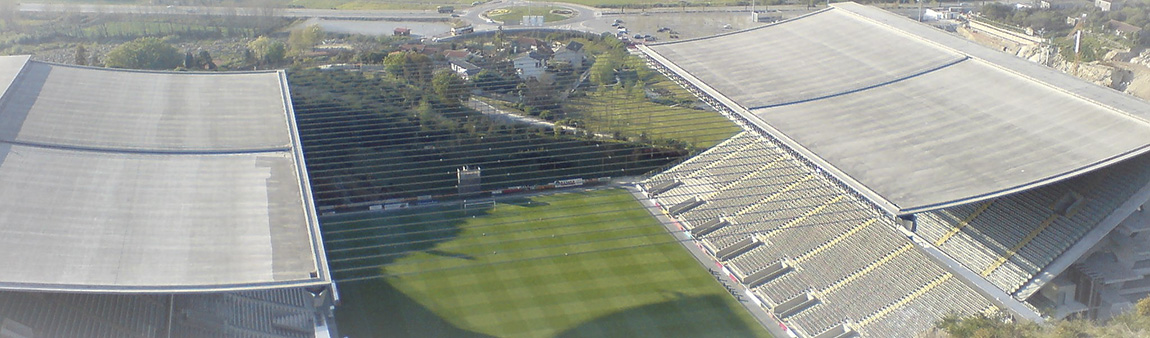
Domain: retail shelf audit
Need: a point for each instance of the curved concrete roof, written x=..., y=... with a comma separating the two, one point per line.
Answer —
x=913, y=117
x=115, y=180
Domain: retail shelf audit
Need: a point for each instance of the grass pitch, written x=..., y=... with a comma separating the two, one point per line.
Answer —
x=585, y=264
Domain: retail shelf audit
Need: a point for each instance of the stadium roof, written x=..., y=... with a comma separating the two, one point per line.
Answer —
x=913, y=117
x=116, y=180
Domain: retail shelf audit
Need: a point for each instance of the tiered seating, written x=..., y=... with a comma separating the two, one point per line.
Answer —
x=692, y=187
x=902, y=275
x=1018, y=235
x=85, y=315
x=920, y=314
x=703, y=159
x=835, y=245
x=751, y=189
x=291, y=297
x=805, y=236
x=836, y=263
x=245, y=314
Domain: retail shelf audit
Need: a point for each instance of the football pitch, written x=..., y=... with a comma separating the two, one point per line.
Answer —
x=572, y=264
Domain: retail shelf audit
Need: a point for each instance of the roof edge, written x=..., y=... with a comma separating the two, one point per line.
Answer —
x=1033, y=184
x=127, y=70
x=137, y=289
x=5, y=87
x=765, y=128
x=314, y=232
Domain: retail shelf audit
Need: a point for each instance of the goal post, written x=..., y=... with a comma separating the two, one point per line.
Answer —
x=478, y=205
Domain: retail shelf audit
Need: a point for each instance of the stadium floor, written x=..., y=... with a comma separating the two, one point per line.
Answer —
x=579, y=264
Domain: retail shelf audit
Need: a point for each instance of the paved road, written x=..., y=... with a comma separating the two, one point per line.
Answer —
x=587, y=19
x=584, y=18
x=242, y=11
x=502, y=115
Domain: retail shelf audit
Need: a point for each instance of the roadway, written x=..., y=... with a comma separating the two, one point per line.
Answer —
x=585, y=18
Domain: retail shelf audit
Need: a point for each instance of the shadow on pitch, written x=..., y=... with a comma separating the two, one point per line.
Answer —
x=451, y=254
x=375, y=308
x=359, y=245
x=523, y=202
x=681, y=316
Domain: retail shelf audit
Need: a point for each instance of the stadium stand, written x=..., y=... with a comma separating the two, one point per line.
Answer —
x=155, y=204
x=1031, y=115
x=286, y=312
x=861, y=182
x=819, y=246
x=1011, y=239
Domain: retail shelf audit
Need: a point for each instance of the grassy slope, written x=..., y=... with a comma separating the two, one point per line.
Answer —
x=615, y=110
x=624, y=277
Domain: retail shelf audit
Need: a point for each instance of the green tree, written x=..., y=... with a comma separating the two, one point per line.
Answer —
x=997, y=12
x=1143, y=307
x=395, y=63
x=189, y=61
x=267, y=50
x=303, y=40
x=450, y=88
x=81, y=55
x=144, y=53
x=371, y=57
x=603, y=70
x=205, y=60
x=983, y=325
x=637, y=92
x=491, y=80
x=412, y=66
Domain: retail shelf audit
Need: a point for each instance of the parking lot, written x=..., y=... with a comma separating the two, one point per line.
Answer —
x=664, y=26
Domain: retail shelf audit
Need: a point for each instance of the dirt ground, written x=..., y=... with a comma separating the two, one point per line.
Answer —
x=989, y=41
x=1140, y=84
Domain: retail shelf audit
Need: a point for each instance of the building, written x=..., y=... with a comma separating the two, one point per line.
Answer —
x=571, y=53
x=1063, y=4
x=853, y=205
x=530, y=65
x=463, y=68
x=1109, y=5
x=526, y=44
x=460, y=54
x=159, y=204
x=469, y=180
x=1123, y=29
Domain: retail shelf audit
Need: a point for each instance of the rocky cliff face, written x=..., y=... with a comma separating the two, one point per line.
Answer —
x=1126, y=71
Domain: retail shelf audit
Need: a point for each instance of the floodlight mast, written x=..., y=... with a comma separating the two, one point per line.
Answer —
x=920, y=13
x=1077, y=56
